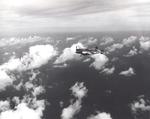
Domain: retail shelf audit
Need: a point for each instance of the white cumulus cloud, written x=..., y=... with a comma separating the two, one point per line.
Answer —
x=38, y=90
x=37, y=56
x=69, y=54
x=132, y=52
x=92, y=41
x=4, y=105
x=71, y=110
x=5, y=80
x=108, y=71
x=129, y=41
x=107, y=41
x=144, y=43
x=140, y=107
x=114, y=47
x=99, y=61
x=22, y=111
x=29, y=107
x=100, y=115
x=128, y=72
x=79, y=91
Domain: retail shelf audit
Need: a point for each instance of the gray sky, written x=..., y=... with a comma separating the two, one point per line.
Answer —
x=73, y=15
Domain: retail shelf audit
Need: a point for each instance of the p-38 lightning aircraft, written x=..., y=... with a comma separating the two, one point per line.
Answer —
x=87, y=51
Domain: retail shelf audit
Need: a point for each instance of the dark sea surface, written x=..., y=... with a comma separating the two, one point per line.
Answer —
x=57, y=81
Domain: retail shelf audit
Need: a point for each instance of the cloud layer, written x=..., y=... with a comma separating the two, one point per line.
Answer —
x=73, y=15
x=37, y=56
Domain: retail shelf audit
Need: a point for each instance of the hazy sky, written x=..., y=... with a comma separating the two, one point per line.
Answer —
x=73, y=15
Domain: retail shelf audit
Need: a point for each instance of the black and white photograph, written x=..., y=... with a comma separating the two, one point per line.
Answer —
x=74, y=59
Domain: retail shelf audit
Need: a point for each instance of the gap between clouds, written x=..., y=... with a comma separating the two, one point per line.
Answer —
x=79, y=91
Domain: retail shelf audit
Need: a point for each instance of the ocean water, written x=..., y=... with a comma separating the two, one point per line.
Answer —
x=57, y=81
